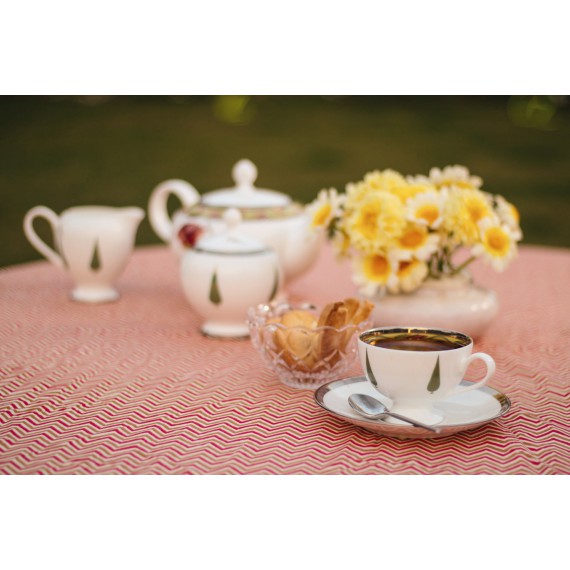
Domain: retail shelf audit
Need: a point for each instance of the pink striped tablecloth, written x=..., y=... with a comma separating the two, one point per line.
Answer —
x=132, y=387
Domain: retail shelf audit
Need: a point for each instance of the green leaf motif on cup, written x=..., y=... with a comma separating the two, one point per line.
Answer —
x=369, y=372
x=95, y=258
x=215, y=296
x=435, y=379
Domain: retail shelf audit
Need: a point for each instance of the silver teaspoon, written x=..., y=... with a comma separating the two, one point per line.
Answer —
x=372, y=408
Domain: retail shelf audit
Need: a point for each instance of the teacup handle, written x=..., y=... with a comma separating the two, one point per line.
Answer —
x=489, y=362
x=40, y=245
x=157, y=205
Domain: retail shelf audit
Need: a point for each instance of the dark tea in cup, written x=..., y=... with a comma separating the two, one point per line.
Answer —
x=417, y=340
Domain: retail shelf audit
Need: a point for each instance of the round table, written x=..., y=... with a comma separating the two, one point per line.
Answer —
x=132, y=387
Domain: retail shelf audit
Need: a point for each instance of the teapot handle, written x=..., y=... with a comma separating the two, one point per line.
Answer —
x=157, y=205
x=35, y=240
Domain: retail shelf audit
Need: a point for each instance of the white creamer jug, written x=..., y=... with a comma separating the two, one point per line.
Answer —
x=93, y=245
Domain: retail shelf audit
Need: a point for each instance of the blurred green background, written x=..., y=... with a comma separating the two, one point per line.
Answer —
x=65, y=151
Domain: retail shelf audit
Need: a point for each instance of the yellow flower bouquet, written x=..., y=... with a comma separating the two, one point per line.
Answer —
x=400, y=230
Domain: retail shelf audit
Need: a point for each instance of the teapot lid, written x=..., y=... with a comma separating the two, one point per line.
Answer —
x=230, y=240
x=244, y=194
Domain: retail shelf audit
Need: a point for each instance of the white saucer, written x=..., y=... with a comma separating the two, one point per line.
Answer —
x=468, y=410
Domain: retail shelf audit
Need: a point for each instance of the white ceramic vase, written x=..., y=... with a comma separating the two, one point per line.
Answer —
x=454, y=303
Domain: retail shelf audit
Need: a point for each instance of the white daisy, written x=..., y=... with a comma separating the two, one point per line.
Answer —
x=374, y=273
x=419, y=179
x=417, y=242
x=509, y=215
x=427, y=208
x=498, y=243
x=325, y=208
x=457, y=176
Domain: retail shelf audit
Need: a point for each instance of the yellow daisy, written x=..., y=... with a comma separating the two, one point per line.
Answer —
x=324, y=208
x=373, y=182
x=498, y=244
x=415, y=241
x=376, y=221
x=463, y=211
x=374, y=273
x=384, y=180
x=408, y=191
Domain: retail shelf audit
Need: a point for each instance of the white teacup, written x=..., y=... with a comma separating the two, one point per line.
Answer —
x=416, y=367
x=93, y=244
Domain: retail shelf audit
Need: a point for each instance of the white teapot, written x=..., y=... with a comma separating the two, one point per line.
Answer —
x=225, y=274
x=268, y=216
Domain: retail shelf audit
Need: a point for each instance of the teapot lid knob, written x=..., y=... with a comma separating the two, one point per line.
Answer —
x=232, y=218
x=244, y=173
x=244, y=194
x=230, y=240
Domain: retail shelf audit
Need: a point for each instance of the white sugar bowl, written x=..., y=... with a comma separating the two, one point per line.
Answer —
x=226, y=273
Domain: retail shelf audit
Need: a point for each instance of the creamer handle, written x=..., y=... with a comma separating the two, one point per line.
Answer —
x=157, y=205
x=39, y=244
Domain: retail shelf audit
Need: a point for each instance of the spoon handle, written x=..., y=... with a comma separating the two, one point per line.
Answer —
x=410, y=421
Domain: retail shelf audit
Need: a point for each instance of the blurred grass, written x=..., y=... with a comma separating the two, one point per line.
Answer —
x=64, y=151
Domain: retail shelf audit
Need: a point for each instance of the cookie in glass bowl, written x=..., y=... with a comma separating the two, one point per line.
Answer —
x=305, y=346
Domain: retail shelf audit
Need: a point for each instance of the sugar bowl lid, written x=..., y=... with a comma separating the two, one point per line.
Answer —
x=230, y=240
x=245, y=194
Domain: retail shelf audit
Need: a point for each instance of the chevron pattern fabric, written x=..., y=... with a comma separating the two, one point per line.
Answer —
x=132, y=387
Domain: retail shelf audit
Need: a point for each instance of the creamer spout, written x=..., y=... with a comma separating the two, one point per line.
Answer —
x=134, y=213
